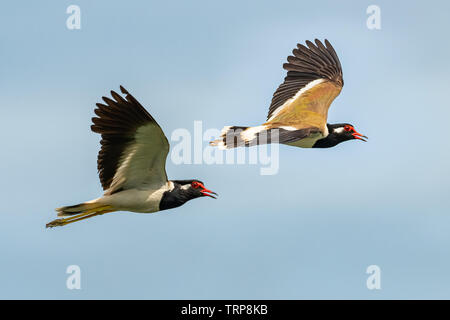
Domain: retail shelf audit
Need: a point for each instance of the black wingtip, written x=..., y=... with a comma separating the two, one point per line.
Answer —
x=123, y=90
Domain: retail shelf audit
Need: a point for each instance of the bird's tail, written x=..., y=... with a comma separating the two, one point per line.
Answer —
x=76, y=209
x=233, y=137
x=79, y=212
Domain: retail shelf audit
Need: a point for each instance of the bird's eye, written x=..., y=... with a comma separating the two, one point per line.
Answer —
x=348, y=128
x=195, y=184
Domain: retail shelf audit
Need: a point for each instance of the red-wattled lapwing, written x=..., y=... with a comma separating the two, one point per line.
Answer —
x=299, y=108
x=131, y=165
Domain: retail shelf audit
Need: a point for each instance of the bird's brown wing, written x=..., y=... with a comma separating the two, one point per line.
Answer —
x=313, y=81
x=133, y=147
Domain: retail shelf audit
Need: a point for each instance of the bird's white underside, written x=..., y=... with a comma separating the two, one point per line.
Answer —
x=135, y=200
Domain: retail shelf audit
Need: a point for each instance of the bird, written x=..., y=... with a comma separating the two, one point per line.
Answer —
x=131, y=165
x=299, y=108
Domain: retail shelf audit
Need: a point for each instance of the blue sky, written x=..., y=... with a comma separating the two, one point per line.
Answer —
x=308, y=232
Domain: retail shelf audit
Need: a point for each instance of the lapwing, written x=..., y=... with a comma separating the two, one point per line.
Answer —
x=299, y=109
x=131, y=165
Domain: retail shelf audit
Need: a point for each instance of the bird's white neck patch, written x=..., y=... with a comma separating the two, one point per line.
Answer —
x=326, y=132
x=185, y=186
x=338, y=130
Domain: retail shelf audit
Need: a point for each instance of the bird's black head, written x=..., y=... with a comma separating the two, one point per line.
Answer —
x=338, y=133
x=183, y=191
x=193, y=189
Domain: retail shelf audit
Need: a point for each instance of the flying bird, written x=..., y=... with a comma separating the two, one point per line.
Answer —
x=131, y=165
x=299, y=109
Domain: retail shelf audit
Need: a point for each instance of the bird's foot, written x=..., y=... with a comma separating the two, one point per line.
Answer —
x=55, y=223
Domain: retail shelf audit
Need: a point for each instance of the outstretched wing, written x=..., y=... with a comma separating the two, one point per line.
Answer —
x=133, y=147
x=313, y=81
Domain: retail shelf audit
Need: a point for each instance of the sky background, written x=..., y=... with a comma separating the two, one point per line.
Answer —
x=308, y=232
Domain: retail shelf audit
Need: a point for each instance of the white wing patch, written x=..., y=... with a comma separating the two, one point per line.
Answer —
x=124, y=164
x=297, y=95
x=143, y=163
x=250, y=133
x=288, y=128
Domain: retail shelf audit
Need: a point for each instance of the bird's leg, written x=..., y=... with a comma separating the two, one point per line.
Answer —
x=63, y=221
x=86, y=217
x=79, y=217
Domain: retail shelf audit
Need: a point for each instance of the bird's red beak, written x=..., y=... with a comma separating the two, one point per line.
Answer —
x=208, y=193
x=359, y=136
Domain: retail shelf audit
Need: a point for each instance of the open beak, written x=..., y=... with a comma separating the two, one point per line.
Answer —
x=209, y=193
x=359, y=136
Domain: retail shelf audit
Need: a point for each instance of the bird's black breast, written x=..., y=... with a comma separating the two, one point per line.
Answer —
x=172, y=199
x=328, y=142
